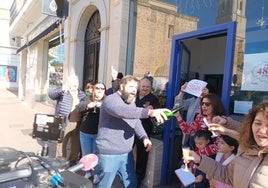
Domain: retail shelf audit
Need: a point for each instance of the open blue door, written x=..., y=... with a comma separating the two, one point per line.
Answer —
x=179, y=72
x=180, y=68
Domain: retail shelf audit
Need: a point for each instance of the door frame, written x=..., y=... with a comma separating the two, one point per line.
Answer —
x=173, y=85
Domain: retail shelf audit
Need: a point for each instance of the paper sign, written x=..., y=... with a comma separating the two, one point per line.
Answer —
x=255, y=72
x=194, y=87
x=186, y=177
x=242, y=107
x=44, y=119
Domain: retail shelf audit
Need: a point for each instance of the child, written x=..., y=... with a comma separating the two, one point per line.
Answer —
x=226, y=153
x=202, y=139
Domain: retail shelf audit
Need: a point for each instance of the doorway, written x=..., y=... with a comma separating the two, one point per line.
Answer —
x=204, y=53
x=92, y=49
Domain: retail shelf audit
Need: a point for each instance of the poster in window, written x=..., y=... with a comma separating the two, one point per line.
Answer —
x=255, y=72
x=8, y=73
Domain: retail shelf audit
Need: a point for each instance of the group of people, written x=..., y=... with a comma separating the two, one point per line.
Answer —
x=112, y=125
x=236, y=155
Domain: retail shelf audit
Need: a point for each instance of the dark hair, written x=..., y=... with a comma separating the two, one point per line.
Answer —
x=217, y=105
x=231, y=142
x=203, y=133
x=88, y=82
x=210, y=88
x=120, y=75
x=146, y=78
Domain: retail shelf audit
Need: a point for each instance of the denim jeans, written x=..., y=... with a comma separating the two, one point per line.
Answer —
x=88, y=143
x=123, y=165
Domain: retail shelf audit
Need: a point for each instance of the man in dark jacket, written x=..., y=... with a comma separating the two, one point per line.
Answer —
x=146, y=100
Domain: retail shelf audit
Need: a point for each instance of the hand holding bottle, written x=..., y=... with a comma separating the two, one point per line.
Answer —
x=159, y=114
x=168, y=114
x=186, y=153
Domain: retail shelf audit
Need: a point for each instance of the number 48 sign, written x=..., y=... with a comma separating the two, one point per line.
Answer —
x=255, y=72
x=263, y=71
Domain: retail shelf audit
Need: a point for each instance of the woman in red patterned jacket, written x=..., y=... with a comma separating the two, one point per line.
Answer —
x=210, y=107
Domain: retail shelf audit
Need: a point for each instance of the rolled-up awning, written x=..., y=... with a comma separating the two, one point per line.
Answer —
x=41, y=35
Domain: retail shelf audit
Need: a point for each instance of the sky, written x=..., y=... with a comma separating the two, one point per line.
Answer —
x=200, y=8
x=6, y=3
x=206, y=11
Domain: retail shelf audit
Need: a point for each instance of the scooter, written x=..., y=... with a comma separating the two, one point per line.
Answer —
x=27, y=170
x=20, y=169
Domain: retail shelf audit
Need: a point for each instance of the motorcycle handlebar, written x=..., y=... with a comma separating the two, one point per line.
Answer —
x=42, y=171
x=15, y=174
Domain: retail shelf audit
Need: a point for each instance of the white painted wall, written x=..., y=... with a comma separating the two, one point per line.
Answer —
x=207, y=55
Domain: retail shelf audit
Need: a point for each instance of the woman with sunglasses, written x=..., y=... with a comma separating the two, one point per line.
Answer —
x=90, y=110
x=210, y=107
x=191, y=107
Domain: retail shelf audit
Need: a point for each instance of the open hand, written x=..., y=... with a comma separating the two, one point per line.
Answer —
x=217, y=128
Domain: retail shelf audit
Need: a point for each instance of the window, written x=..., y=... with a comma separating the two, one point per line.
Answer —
x=55, y=62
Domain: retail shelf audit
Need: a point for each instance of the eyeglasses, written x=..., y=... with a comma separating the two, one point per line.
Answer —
x=207, y=104
x=99, y=88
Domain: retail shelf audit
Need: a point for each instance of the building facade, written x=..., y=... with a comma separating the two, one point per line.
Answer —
x=135, y=38
x=92, y=38
x=9, y=59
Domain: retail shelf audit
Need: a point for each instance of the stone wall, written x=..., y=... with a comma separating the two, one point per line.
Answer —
x=156, y=24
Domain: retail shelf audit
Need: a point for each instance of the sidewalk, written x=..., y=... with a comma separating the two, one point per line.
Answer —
x=17, y=123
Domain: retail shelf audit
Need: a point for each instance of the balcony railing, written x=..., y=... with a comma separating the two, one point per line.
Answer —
x=15, y=9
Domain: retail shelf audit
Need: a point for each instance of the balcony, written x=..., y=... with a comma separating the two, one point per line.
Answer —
x=24, y=16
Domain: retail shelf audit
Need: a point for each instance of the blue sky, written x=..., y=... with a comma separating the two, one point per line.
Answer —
x=206, y=11
x=198, y=8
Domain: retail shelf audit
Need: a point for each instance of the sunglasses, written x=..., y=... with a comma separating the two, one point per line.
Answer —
x=207, y=104
x=99, y=88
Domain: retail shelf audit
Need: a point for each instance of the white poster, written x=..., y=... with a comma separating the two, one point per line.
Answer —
x=194, y=87
x=255, y=72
